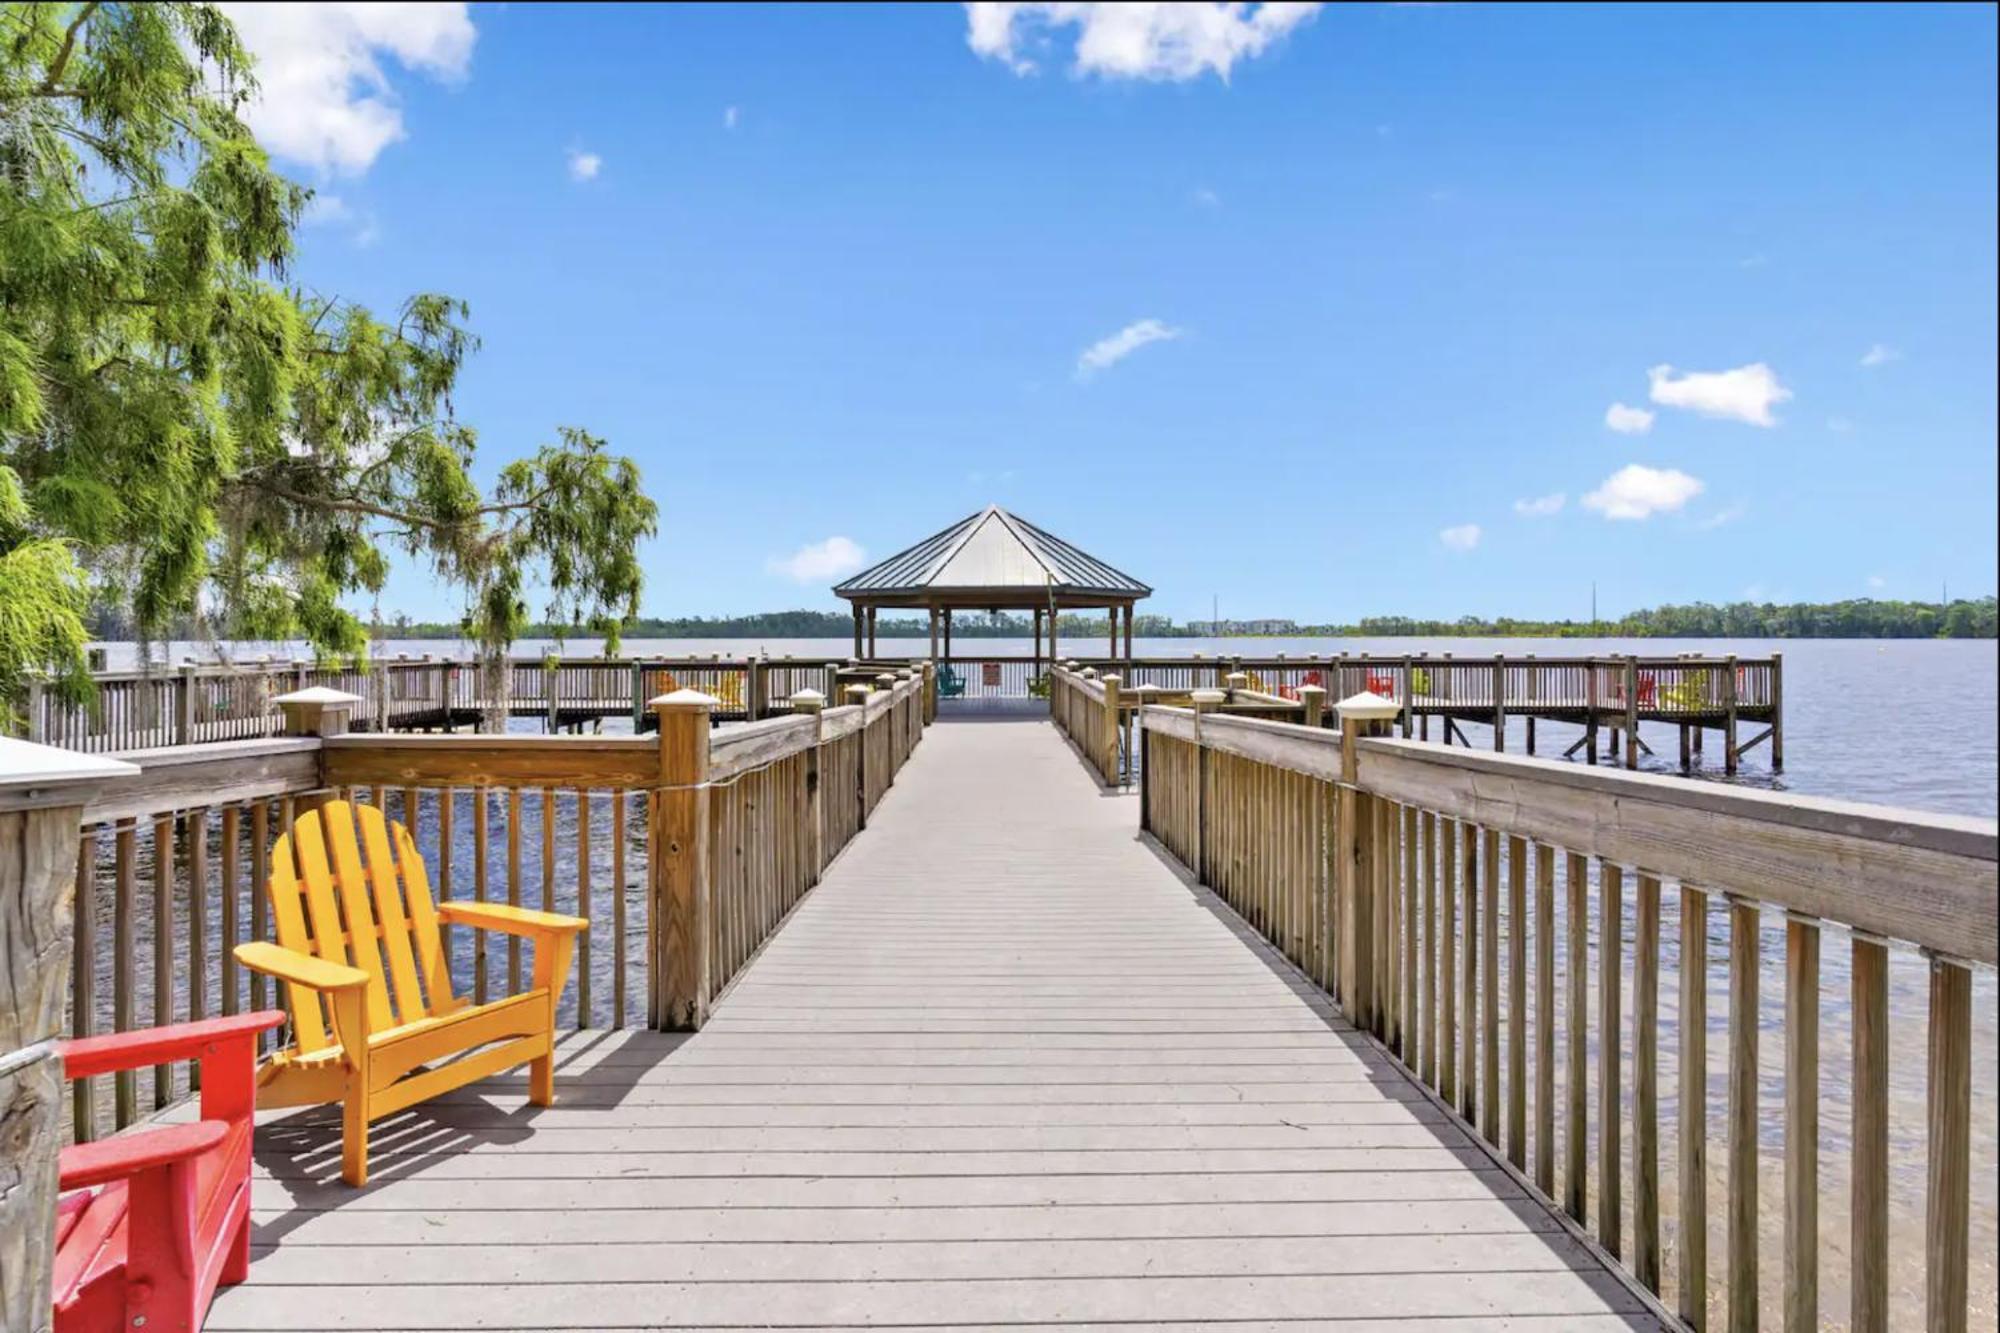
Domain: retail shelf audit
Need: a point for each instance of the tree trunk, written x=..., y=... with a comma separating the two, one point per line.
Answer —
x=496, y=687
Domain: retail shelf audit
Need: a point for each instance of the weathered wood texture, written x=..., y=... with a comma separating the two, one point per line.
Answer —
x=1914, y=879
x=1004, y=1065
x=37, y=862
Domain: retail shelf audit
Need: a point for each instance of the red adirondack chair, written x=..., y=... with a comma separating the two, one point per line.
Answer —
x=150, y=1224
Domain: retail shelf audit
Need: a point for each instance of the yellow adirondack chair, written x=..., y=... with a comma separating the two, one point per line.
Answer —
x=372, y=1010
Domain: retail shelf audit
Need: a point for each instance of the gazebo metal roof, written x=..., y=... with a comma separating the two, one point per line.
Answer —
x=991, y=553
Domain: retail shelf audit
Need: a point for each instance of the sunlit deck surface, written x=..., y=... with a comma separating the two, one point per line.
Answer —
x=1005, y=1066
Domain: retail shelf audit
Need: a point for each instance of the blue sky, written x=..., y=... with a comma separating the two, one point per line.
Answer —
x=833, y=275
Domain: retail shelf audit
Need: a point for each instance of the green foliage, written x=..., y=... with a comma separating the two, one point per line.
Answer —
x=192, y=441
x=1966, y=619
x=1862, y=618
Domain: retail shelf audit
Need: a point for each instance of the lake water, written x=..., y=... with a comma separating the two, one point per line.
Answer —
x=1906, y=723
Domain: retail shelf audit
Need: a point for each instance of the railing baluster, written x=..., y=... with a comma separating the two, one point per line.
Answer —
x=124, y=946
x=1406, y=1021
x=1744, y=951
x=584, y=1008
x=1517, y=1002
x=1949, y=1117
x=83, y=980
x=1468, y=1069
x=1448, y=961
x=1545, y=1019
x=1646, y=1086
x=513, y=886
x=1693, y=1100
x=163, y=948
x=231, y=922
x=1801, y=1125
x=1429, y=839
x=1576, y=1019
x=480, y=815
x=260, y=899
x=1610, y=963
x=618, y=800
x=1868, y=1170
x=1489, y=1004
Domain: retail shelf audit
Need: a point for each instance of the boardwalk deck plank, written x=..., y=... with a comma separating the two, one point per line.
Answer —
x=1003, y=1067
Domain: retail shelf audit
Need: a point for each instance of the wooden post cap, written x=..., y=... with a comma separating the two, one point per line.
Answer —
x=1238, y=680
x=318, y=710
x=857, y=694
x=1207, y=701
x=1366, y=707
x=1089, y=673
x=808, y=700
x=34, y=776
x=683, y=701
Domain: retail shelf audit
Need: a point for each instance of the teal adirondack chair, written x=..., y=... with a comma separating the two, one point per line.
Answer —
x=950, y=685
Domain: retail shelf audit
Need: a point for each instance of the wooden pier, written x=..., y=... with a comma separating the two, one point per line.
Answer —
x=975, y=1080
x=1610, y=699
x=888, y=1016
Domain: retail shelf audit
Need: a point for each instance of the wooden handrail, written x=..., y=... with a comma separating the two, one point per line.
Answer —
x=179, y=850
x=1378, y=865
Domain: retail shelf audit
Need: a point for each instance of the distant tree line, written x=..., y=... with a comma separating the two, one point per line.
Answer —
x=1861, y=618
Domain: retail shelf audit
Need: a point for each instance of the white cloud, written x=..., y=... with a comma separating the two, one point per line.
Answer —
x=325, y=210
x=324, y=99
x=1108, y=352
x=1542, y=506
x=1723, y=517
x=1207, y=198
x=1747, y=393
x=1876, y=582
x=1135, y=41
x=584, y=166
x=1636, y=491
x=816, y=562
x=1880, y=354
x=730, y=115
x=1628, y=420
x=1461, y=538
x=335, y=213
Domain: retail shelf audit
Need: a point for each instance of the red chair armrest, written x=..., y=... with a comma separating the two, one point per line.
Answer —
x=156, y=1046
x=99, y=1163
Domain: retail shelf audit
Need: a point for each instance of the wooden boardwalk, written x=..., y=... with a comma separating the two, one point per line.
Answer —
x=1005, y=1066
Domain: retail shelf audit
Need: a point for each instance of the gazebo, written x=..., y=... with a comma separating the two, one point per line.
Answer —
x=992, y=561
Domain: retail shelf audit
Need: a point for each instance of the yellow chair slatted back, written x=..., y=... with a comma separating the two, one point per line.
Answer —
x=374, y=913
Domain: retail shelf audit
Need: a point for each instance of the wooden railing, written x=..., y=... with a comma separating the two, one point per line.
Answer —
x=171, y=861
x=1496, y=922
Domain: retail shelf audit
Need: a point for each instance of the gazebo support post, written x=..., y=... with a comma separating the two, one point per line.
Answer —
x=934, y=633
x=858, y=614
x=1036, y=614
x=1111, y=623
x=1128, y=633
x=947, y=633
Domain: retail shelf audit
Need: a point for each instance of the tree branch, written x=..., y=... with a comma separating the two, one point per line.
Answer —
x=61, y=62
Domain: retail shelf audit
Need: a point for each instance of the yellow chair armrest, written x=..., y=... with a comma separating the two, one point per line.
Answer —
x=510, y=920
x=300, y=969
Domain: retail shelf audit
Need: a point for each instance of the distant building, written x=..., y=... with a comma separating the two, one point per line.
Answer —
x=1222, y=629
